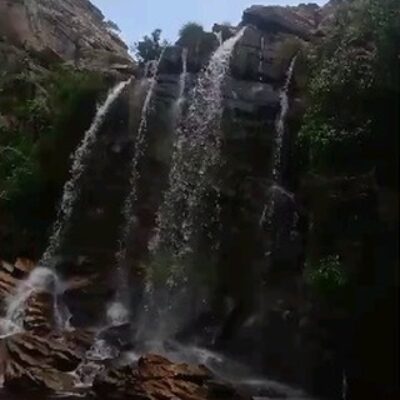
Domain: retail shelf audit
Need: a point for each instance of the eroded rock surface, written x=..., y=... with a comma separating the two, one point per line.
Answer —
x=64, y=30
x=156, y=377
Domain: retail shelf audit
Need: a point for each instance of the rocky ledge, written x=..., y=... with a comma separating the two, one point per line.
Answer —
x=64, y=31
x=36, y=354
x=155, y=377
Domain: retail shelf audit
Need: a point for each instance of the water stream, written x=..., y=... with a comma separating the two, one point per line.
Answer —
x=79, y=163
x=196, y=153
x=129, y=218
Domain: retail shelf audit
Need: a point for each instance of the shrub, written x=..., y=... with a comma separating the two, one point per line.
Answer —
x=327, y=277
x=150, y=47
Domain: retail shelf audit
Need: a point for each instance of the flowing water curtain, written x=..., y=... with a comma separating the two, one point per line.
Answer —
x=80, y=160
x=195, y=158
x=129, y=219
x=280, y=131
x=43, y=278
x=196, y=155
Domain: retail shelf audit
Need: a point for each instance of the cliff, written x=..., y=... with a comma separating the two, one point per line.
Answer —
x=64, y=31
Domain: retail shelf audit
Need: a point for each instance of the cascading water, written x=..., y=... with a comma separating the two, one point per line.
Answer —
x=79, y=164
x=128, y=214
x=196, y=154
x=261, y=58
x=39, y=280
x=197, y=151
x=280, y=128
x=43, y=278
x=281, y=124
x=219, y=37
x=177, y=108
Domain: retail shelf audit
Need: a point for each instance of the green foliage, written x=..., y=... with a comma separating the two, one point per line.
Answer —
x=327, y=278
x=191, y=35
x=196, y=40
x=150, y=47
x=354, y=72
x=43, y=117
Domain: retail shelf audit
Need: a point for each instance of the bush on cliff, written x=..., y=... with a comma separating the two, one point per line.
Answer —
x=43, y=116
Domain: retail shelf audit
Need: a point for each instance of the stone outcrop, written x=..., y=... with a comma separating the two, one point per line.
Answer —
x=64, y=31
x=156, y=377
x=11, y=275
x=42, y=362
x=299, y=21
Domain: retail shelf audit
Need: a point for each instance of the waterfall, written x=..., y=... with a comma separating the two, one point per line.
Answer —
x=281, y=124
x=261, y=58
x=39, y=280
x=177, y=108
x=127, y=211
x=280, y=128
x=196, y=153
x=80, y=159
x=219, y=37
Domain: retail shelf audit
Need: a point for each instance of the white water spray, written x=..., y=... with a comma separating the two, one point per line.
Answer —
x=128, y=207
x=281, y=123
x=79, y=164
x=196, y=153
x=39, y=280
x=177, y=108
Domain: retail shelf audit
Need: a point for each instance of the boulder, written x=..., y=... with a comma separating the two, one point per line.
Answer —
x=35, y=362
x=155, y=377
x=299, y=21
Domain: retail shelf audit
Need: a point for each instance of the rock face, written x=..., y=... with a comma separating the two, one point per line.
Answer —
x=299, y=21
x=64, y=30
x=11, y=275
x=42, y=362
x=156, y=377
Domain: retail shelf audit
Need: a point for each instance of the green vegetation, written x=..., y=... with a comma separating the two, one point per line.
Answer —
x=43, y=116
x=193, y=37
x=353, y=91
x=150, y=47
x=327, y=278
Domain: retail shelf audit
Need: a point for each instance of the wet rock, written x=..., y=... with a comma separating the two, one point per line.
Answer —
x=39, y=313
x=34, y=362
x=12, y=274
x=118, y=336
x=156, y=377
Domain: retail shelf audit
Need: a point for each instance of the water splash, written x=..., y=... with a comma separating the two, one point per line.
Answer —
x=128, y=207
x=79, y=164
x=196, y=153
x=219, y=37
x=117, y=314
x=39, y=280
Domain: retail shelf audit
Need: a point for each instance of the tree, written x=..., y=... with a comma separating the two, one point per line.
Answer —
x=149, y=48
x=195, y=39
x=191, y=35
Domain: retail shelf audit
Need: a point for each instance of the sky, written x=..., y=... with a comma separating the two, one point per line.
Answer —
x=137, y=18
